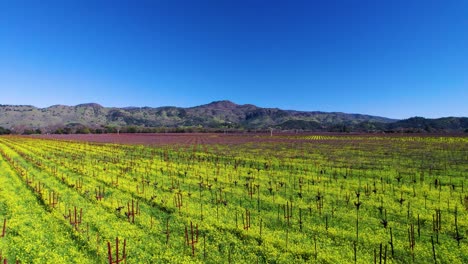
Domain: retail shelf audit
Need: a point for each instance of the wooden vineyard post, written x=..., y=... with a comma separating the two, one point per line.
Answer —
x=117, y=260
x=457, y=236
x=132, y=211
x=436, y=224
x=39, y=188
x=201, y=210
x=384, y=220
x=358, y=205
x=347, y=198
x=53, y=199
x=433, y=250
x=288, y=212
x=375, y=256
x=178, y=200
x=319, y=202
x=419, y=228
x=100, y=192
x=411, y=240
x=4, y=260
x=250, y=189
x=4, y=227
x=380, y=253
x=75, y=218
x=236, y=220
x=315, y=247
x=300, y=188
x=190, y=238
x=246, y=220
x=391, y=241
x=408, y=211
x=258, y=198
x=385, y=255
x=79, y=184
x=28, y=180
x=167, y=232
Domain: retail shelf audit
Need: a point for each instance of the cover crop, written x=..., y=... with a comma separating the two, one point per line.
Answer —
x=286, y=199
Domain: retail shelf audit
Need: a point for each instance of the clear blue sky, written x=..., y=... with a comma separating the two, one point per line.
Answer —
x=390, y=58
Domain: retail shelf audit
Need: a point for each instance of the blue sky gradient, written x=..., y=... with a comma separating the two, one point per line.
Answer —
x=390, y=58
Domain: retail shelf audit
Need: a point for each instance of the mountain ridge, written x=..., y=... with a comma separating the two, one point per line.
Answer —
x=223, y=114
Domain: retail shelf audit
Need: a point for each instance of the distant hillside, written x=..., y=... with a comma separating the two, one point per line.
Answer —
x=451, y=124
x=216, y=115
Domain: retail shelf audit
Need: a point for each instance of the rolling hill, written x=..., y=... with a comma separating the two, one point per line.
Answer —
x=215, y=115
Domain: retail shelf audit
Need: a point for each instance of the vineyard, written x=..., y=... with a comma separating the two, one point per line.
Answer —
x=234, y=199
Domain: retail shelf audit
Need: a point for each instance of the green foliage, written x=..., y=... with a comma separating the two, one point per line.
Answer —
x=297, y=199
x=4, y=131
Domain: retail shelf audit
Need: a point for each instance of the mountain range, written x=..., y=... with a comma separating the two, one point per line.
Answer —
x=218, y=115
